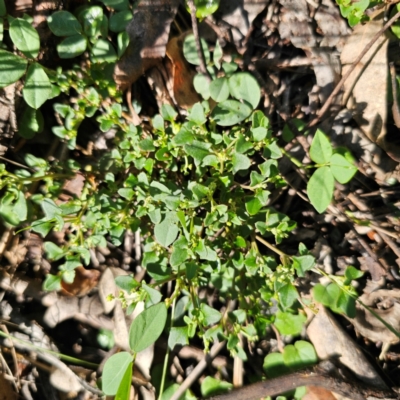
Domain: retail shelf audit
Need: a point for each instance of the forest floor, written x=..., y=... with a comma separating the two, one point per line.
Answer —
x=298, y=51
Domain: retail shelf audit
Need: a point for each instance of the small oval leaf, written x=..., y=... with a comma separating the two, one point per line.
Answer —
x=320, y=188
x=114, y=371
x=37, y=87
x=63, y=23
x=147, y=327
x=25, y=37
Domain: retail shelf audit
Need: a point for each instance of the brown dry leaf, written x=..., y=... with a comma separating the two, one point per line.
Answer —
x=317, y=393
x=385, y=303
x=182, y=74
x=365, y=91
x=85, y=280
x=332, y=342
x=148, y=32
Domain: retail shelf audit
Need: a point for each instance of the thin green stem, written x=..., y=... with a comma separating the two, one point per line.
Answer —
x=270, y=246
x=61, y=356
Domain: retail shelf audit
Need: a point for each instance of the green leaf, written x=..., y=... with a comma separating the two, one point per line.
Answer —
x=3, y=10
x=302, y=264
x=198, y=150
x=91, y=18
x=124, y=389
x=259, y=133
x=352, y=273
x=211, y=386
x=230, y=112
x=287, y=295
x=168, y=112
x=20, y=207
x=116, y=4
x=321, y=149
x=204, y=8
x=103, y=51
x=178, y=336
x=178, y=256
x=166, y=232
x=320, y=188
x=114, y=372
x=50, y=208
x=127, y=283
x=289, y=324
x=123, y=42
x=119, y=21
x=240, y=162
x=205, y=252
x=253, y=206
x=244, y=86
x=190, y=50
x=211, y=315
x=197, y=115
x=12, y=67
x=25, y=37
x=274, y=365
x=72, y=46
x=217, y=55
x=53, y=251
x=126, y=193
x=147, y=327
x=219, y=89
x=52, y=282
x=346, y=304
x=63, y=23
x=202, y=86
x=342, y=169
x=299, y=355
x=326, y=295
x=30, y=123
x=153, y=295
x=42, y=227
x=37, y=87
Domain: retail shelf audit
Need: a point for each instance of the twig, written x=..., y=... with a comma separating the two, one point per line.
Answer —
x=194, y=375
x=315, y=377
x=203, y=67
x=338, y=87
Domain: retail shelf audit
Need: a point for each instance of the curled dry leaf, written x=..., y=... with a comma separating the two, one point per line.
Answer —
x=148, y=39
x=386, y=304
x=85, y=280
x=182, y=75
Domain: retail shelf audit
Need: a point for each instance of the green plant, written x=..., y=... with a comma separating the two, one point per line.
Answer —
x=198, y=188
x=331, y=165
x=144, y=331
x=339, y=295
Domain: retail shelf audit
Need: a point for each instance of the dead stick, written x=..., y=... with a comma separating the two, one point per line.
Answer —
x=338, y=87
x=203, y=67
x=310, y=377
